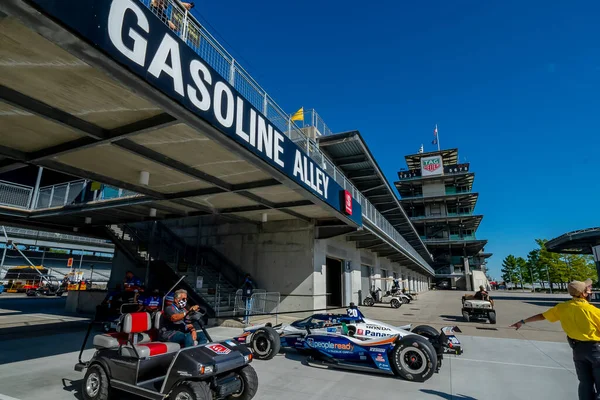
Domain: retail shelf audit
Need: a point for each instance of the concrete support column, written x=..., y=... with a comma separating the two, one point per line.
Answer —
x=596, y=253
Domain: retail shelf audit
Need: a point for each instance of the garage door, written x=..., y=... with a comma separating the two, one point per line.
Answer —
x=365, y=273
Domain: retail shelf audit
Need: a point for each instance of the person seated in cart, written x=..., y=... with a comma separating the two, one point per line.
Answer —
x=482, y=294
x=178, y=326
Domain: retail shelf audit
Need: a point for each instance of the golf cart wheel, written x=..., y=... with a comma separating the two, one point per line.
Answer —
x=95, y=384
x=466, y=316
x=492, y=317
x=414, y=358
x=395, y=303
x=249, y=384
x=368, y=301
x=265, y=343
x=191, y=391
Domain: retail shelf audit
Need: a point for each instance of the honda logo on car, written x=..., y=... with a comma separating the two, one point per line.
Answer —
x=378, y=328
x=329, y=346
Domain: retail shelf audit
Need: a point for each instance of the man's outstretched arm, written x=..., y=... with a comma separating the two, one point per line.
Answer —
x=537, y=317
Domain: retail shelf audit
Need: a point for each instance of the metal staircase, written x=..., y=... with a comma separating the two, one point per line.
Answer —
x=143, y=243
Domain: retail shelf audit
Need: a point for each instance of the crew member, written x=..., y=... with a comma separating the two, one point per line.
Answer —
x=174, y=327
x=152, y=302
x=581, y=322
x=131, y=282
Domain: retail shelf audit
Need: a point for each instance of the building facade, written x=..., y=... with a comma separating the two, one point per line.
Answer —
x=437, y=194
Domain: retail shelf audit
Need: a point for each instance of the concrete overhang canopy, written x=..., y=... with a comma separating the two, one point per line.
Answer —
x=350, y=153
x=576, y=242
x=67, y=107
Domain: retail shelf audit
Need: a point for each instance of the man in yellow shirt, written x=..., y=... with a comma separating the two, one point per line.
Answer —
x=581, y=322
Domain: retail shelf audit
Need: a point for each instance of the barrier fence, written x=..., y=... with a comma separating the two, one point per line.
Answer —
x=260, y=306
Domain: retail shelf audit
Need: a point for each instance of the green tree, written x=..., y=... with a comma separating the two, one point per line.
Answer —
x=509, y=269
x=522, y=271
x=552, y=262
x=537, y=271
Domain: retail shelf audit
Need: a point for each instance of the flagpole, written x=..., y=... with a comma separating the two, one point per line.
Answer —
x=438, y=137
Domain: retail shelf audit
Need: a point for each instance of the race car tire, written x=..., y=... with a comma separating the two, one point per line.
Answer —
x=414, y=359
x=192, y=390
x=368, y=301
x=466, y=316
x=249, y=384
x=265, y=343
x=405, y=300
x=427, y=331
x=95, y=384
x=395, y=303
x=492, y=317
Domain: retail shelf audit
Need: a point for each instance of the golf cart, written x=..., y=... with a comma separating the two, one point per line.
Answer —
x=476, y=308
x=49, y=286
x=395, y=299
x=133, y=360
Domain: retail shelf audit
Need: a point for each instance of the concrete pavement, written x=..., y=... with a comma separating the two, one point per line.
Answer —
x=498, y=362
x=491, y=368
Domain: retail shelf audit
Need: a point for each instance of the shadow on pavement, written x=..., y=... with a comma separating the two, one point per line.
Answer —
x=34, y=305
x=73, y=387
x=16, y=350
x=448, y=395
x=76, y=387
x=548, y=304
x=529, y=298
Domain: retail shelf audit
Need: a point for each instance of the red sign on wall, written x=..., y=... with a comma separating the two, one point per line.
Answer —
x=70, y=262
x=347, y=202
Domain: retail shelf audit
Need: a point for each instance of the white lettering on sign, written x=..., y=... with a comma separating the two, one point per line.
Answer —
x=206, y=92
x=304, y=169
x=115, y=28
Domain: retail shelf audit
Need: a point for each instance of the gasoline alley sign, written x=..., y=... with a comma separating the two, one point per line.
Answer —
x=135, y=37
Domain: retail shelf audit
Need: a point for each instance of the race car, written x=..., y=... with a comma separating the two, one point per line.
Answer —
x=352, y=341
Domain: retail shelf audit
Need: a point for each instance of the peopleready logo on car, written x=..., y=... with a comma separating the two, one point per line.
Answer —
x=328, y=346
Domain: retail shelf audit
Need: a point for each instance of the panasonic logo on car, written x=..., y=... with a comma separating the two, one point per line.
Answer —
x=369, y=332
x=129, y=31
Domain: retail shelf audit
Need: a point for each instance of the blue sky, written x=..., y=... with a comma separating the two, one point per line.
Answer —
x=514, y=85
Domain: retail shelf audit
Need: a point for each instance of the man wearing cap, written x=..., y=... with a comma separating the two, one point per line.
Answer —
x=581, y=322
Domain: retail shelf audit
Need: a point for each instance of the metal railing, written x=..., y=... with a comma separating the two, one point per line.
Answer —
x=187, y=27
x=15, y=195
x=59, y=195
x=59, y=237
x=260, y=302
x=74, y=192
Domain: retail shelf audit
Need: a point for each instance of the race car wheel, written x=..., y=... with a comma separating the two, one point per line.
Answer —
x=368, y=301
x=492, y=317
x=192, y=391
x=425, y=330
x=395, y=303
x=405, y=300
x=414, y=359
x=249, y=384
x=466, y=316
x=265, y=343
x=95, y=384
